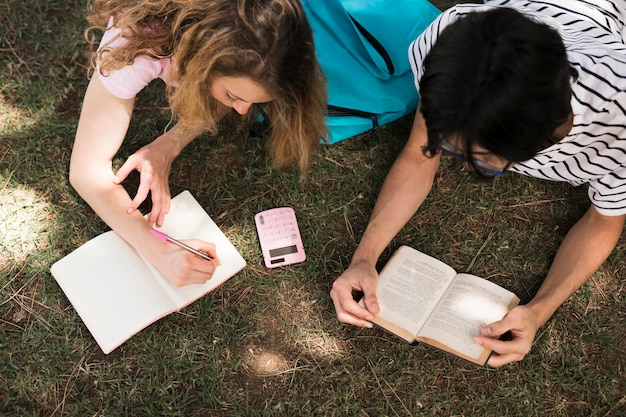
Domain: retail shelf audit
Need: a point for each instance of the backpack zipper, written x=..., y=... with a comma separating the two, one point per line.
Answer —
x=376, y=44
x=342, y=111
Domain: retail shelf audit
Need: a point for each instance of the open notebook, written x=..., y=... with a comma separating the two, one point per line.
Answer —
x=117, y=293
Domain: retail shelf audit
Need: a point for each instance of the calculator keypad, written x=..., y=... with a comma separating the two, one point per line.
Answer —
x=278, y=226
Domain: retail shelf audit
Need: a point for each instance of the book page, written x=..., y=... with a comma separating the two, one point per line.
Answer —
x=117, y=293
x=410, y=286
x=112, y=289
x=469, y=304
x=188, y=220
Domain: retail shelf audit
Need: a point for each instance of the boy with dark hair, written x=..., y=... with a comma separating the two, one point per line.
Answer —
x=537, y=88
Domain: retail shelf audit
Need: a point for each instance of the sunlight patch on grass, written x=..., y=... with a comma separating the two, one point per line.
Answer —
x=299, y=307
x=25, y=218
x=322, y=344
x=12, y=118
x=263, y=361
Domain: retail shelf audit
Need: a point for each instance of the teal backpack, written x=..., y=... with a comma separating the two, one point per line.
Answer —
x=362, y=46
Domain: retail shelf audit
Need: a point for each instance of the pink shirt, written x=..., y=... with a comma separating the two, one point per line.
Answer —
x=127, y=81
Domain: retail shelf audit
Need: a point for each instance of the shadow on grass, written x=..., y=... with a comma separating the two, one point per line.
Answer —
x=267, y=342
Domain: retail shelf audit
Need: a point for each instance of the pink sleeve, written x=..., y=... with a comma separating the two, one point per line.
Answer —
x=127, y=81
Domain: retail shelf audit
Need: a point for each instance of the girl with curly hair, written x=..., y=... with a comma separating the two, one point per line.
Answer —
x=215, y=56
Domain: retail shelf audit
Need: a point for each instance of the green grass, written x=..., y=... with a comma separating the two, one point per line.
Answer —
x=267, y=342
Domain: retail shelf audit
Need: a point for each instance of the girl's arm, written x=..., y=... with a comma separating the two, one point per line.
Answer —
x=101, y=130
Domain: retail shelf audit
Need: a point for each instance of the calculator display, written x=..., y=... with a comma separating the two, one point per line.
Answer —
x=283, y=251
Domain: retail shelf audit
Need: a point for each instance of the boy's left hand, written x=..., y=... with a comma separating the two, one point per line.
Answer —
x=521, y=323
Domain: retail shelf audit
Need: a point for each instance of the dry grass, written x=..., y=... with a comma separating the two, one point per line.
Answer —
x=267, y=342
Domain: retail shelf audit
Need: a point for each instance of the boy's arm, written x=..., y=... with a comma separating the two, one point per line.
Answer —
x=586, y=246
x=406, y=186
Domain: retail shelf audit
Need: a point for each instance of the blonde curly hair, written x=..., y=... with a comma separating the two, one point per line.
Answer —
x=267, y=41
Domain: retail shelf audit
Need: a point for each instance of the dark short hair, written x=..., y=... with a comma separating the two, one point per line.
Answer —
x=497, y=79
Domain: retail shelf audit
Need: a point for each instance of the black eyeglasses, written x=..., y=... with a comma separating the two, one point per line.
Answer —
x=484, y=166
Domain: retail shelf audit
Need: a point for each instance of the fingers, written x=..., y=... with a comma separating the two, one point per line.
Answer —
x=148, y=182
x=204, y=247
x=122, y=173
x=371, y=301
x=202, y=271
x=522, y=327
x=497, y=360
x=347, y=309
x=498, y=328
x=161, y=200
x=503, y=352
x=145, y=181
x=516, y=346
x=209, y=249
x=142, y=194
x=194, y=269
x=350, y=312
x=153, y=162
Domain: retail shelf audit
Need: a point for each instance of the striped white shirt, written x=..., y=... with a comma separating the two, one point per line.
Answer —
x=594, y=151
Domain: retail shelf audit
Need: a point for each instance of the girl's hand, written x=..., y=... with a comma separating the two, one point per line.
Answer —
x=153, y=162
x=181, y=267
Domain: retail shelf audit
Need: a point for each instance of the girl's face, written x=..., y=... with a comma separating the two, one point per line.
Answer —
x=238, y=93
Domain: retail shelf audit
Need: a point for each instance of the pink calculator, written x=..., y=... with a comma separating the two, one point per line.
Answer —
x=279, y=236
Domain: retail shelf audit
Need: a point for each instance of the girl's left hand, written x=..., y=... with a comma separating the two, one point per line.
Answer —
x=153, y=162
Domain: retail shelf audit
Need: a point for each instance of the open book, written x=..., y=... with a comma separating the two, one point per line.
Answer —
x=117, y=293
x=423, y=299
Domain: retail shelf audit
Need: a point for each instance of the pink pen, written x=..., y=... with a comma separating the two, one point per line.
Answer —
x=166, y=238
